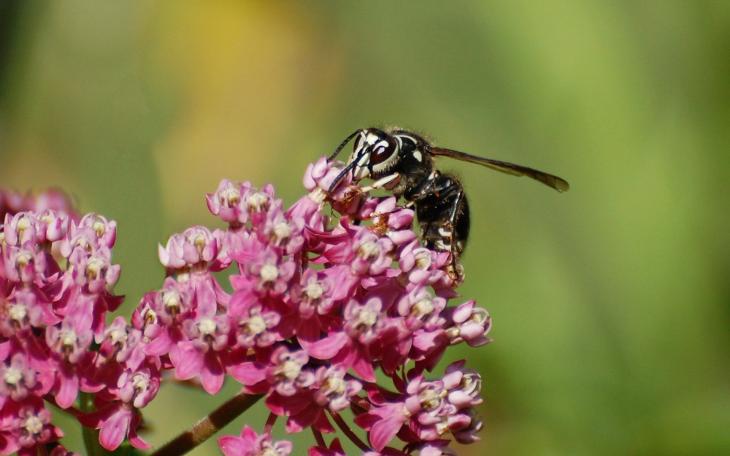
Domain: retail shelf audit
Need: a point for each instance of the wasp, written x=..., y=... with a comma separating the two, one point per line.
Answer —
x=402, y=162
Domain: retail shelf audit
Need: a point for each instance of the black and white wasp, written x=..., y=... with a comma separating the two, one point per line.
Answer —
x=402, y=162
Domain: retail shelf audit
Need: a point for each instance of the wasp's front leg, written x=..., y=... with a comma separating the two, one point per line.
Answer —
x=382, y=182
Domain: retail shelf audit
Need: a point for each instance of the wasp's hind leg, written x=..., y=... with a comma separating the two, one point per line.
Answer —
x=458, y=223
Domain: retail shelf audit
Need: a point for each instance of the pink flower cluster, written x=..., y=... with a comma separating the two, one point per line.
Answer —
x=56, y=276
x=319, y=299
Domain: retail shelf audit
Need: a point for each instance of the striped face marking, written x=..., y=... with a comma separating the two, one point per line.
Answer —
x=374, y=153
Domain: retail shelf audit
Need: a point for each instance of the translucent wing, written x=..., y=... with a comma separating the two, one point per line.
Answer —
x=555, y=182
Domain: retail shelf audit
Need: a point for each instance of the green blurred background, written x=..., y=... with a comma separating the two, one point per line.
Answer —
x=610, y=302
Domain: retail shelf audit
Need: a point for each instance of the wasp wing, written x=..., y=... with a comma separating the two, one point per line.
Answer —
x=555, y=182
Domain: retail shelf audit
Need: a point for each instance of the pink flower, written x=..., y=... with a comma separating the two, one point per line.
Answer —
x=196, y=246
x=283, y=232
x=26, y=264
x=24, y=309
x=423, y=266
x=263, y=270
x=428, y=410
x=251, y=444
x=227, y=202
x=202, y=354
x=19, y=379
x=470, y=324
x=69, y=343
x=104, y=230
x=123, y=343
x=53, y=225
x=335, y=449
x=26, y=426
x=371, y=253
x=21, y=228
x=325, y=294
x=286, y=373
x=253, y=326
x=333, y=389
x=421, y=309
x=139, y=386
x=116, y=422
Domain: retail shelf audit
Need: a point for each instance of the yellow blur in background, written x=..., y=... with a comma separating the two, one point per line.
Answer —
x=610, y=302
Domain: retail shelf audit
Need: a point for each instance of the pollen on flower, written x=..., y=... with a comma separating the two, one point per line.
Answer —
x=18, y=312
x=231, y=195
x=94, y=267
x=282, y=231
x=256, y=201
x=33, y=425
x=118, y=336
x=23, y=259
x=269, y=272
x=23, y=224
x=141, y=381
x=313, y=290
x=290, y=369
x=367, y=318
x=199, y=241
x=423, y=307
x=430, y=398
x=368, y=250
x=335, y=385
x=171, y=300
x=99, y=227
x=255, y=325
x=207, y=326
x=423, y=259
x=68, y=337
x=12, y=375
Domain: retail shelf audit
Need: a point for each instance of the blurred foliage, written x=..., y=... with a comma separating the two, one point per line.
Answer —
x=610, y=302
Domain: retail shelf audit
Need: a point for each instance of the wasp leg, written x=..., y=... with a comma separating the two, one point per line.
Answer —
x=380, y=183
x=426, y=188
x=443, y=212
x=455, y=242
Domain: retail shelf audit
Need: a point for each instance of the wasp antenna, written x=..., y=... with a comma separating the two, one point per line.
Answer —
x=342, y=145
x=340, y=176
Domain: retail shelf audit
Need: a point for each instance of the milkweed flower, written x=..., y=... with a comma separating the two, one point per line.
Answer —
x=356, y=295
x=56, y=287
x=334, y=307
x=249, y=443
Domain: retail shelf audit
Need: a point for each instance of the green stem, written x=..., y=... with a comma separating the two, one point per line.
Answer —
x=349, y=432
x=90, y=436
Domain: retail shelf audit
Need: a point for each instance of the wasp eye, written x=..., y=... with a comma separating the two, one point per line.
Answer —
x=382, y=151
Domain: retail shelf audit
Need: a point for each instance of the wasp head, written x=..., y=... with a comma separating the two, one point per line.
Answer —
x=374, y=153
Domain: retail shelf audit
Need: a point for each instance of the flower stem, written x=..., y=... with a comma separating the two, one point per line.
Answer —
x=90, y=436
x=209, y=425
x=349, y=433
x=318, y=438
x=270, y=423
